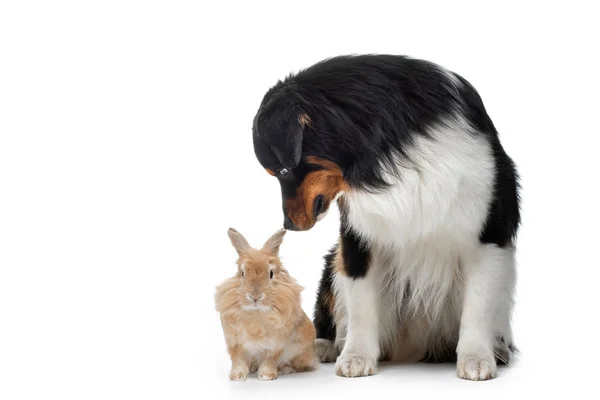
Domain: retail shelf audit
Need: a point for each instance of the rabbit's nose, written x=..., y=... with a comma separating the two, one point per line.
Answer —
x=255, y=297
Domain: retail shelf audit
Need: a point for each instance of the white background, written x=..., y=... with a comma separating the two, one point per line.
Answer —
x=126, y=153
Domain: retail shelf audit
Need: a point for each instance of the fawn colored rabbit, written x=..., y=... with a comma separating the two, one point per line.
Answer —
x=265, y=328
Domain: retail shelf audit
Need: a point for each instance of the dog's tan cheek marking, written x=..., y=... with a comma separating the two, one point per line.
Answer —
x=270, y=171
x=299, y=208
x=317, y=183
x=328, y=181
x=295, y=211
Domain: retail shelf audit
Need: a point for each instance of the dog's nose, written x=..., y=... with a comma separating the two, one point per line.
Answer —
x=288, y=224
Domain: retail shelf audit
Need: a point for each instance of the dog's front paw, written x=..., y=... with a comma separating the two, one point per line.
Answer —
x=238, y=374
x=476, y=367
x=325, y=350
x=354, y=365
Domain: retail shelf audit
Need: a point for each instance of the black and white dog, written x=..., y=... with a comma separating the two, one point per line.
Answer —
x=424, y=269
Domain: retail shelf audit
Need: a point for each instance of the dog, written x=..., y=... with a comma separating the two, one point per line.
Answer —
x=424, y=268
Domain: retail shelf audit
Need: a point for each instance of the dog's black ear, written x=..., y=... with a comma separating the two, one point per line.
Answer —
x=280, y=127
x=286, y=135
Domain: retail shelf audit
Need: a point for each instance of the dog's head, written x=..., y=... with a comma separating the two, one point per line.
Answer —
x=309, y=182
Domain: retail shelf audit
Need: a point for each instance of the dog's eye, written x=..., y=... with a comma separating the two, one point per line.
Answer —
x=283, y=172
x=271, y=274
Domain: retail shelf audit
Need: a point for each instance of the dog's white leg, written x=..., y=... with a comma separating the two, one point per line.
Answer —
x=327, y=350
x=341, y=315
x=489, y=278
x=504, y=348
x=361, y=348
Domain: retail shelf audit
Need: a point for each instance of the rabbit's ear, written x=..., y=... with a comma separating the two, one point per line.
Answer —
x=238, y=241
x=272, y=244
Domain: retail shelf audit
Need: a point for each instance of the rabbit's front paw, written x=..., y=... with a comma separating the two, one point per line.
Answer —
x=238, y=373
x=267, y=374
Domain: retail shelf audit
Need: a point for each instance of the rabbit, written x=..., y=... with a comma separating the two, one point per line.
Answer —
x=265, y=328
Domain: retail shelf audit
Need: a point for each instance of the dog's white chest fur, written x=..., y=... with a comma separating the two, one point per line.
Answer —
x=441, y=194
x=417, y=230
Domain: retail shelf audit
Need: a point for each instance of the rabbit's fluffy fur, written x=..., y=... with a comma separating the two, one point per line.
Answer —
x=265, y=328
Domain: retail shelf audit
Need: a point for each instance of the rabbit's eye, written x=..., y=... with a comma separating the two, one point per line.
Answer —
x=271, y=274
x=242, y=274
